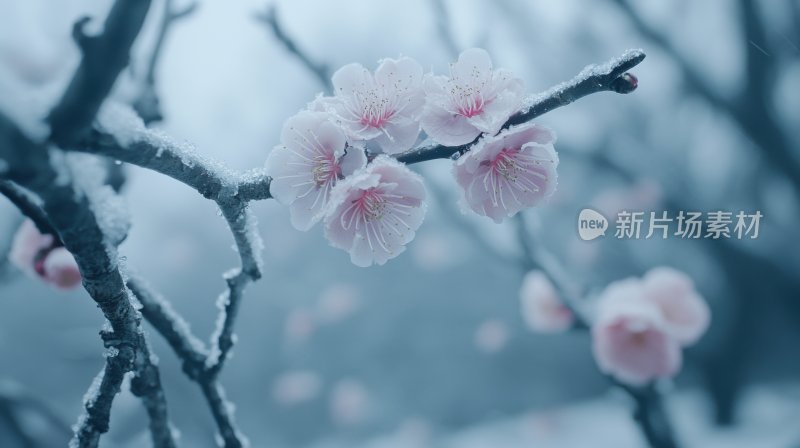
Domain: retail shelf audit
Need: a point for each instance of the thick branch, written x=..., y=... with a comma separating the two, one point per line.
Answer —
x=104, y=58
x=608, y=77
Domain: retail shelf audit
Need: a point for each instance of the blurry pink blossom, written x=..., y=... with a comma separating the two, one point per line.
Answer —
x=631, y=340
x=311, y=159
x=384, y=107
x=491, y=336
x=337, y=302
x=686, y=314
x=37, y=255
x=504, y=174
x=542, y=309
x=349, y=402
x=299, y=326
x=296, y=387
x=61, y=270
x=474, y=99
x=28, y=246
x=374, y=213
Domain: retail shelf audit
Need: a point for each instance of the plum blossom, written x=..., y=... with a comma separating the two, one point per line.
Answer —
x=312, y=158
x=686, y=314
x=504, y=174
x=384, y=107
x=630, y=338
x=60, y=269
x=542, y=308
x=475, y=98
x=39, y=255
x=375, y=212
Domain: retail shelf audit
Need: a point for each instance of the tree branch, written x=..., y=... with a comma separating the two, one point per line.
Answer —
x=28, y=205
x=193, y=355
x=270, y=20
x=608, y=77
x=104, y=58
x=146, y=384
x=147, y=104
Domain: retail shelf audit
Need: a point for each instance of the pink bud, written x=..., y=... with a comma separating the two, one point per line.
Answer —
x=542, y=308
x=61, y=269
x=27, y=245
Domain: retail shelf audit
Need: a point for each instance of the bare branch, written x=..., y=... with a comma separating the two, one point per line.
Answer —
x=608, y=77
x=270, y=19
x=147, y=104
x=193, y=355
x=443, y=27
x=104, y=58
x=28, y=204
x=146, y=384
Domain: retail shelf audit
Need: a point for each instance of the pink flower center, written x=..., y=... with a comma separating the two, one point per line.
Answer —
x=505, y=164
x=325, y=169
x=376, y=109
x=472, y=107
x=372, y=205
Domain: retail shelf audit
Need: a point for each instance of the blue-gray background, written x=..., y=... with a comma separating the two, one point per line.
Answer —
x=430, y=350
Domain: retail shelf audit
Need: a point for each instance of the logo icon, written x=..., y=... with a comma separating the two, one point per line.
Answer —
x=591, y=224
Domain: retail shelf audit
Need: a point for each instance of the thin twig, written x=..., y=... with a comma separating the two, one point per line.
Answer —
x=270, y=19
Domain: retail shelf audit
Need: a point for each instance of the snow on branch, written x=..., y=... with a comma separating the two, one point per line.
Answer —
x=611, y=76
x=104, y=57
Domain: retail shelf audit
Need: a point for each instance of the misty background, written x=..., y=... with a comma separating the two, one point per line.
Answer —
x=430, y=349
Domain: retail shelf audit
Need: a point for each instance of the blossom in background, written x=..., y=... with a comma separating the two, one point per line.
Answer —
x=643, y=323
x=375, y=212
x=37, y=255
x=631, y=342
x=474, y=99
x=384, y=107
x=686, y=313
x=504, y=174
x=312, y=158
x=542, y=308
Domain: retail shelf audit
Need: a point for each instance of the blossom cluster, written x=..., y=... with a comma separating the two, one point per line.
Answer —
x=39, y=255
x=641, y=324
x=336, y=163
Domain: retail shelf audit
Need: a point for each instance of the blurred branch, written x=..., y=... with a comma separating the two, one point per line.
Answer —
x=104, y=57
x=28, y=205
x=444, y=28
x=609, y=77
x=147, y=104
x=751, y=112
x=16, y=402
x=270, y=20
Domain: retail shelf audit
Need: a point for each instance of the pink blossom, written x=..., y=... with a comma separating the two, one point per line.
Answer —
x=685, y=312
x=542, y=308
x=61, y=270
x=384, y=107
x=375, y=212
x=504, y=174
x=349, y=402
x=313, y=157
x=296, y=387
x=38, y=255
x=631, y=340
x=474, y=99
x=28, y=247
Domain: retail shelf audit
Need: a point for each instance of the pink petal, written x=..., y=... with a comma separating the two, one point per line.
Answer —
x=396, y=138
x=687, y=315
x=447, y=128
x=350, y=79
x=61, y=270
